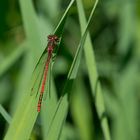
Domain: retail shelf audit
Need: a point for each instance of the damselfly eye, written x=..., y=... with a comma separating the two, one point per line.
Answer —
x=56, y=38
x=50, y=37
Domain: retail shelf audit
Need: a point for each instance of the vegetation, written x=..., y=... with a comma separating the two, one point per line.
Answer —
x=92, y=89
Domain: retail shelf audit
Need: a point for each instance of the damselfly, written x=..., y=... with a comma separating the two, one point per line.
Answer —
x=53, y=41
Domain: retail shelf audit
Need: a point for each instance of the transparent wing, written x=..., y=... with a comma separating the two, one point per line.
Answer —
x=37, y=76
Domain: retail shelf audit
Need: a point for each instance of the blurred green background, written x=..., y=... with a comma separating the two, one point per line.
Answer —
x=115, y=34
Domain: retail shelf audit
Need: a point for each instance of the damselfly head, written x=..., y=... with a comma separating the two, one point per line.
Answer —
x=53, y=38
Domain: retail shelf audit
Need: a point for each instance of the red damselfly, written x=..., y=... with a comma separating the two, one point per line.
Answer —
x=53, y=40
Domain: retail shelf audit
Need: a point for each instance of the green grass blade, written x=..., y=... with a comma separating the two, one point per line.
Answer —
x=58, y=119
x=75, y=65
x=4, y=113
x=62, y=108
x=23, y=82
x=48, y=109
x=24, y=119
x=92, y=70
